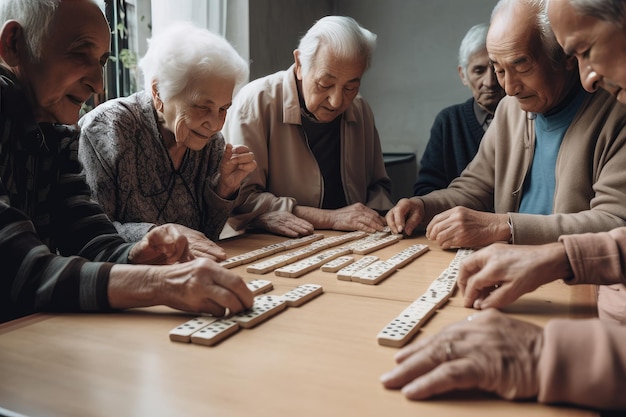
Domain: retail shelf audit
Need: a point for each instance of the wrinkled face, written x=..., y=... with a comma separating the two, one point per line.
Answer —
x=522, y=66
x=481, y=79
x=330, y=85
x=199, y=112
x=70, y=69
x=599, y=46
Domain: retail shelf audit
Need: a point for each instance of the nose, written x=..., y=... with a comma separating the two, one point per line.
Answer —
x=490, y=79
x=589, y=78
x=335, y=98
x=511, y=84
x=94, y=79
x=214, y=121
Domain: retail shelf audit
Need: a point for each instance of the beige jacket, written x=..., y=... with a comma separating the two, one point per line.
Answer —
x=590, y=193
x=265, y=116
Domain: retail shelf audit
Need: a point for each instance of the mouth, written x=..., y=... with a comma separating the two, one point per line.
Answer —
x=201, y=136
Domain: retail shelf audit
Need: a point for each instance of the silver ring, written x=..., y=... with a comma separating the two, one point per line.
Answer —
x=226, y=312
x=449, y=351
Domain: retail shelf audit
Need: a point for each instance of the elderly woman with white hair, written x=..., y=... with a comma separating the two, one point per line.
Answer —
x=158, y=156
x=314, y=138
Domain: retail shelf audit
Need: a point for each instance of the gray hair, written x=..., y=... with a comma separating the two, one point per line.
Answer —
x=34, y=16
x=343, y=35
x=183, y=50
x=548, y=40
x=608, y=10
x=473, y=41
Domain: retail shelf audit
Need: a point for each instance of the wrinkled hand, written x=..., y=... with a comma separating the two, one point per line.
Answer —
x=463, y=227
x=357, y=217
x=283, y=223
x=236, y=164
x=405, y=216
x=499, y=274
x=200, y=245
x=162, y=245
x=491, y=352
x=202, y=286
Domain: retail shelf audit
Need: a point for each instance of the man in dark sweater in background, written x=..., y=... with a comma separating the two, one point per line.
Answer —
x=458, y=130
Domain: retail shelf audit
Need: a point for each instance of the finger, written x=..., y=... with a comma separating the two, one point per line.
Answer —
x=499, y=296
x=449, y=376
x=238, y=296
x=228, y=152
x=395, y=220
x=241, y=149
x=208, y=250
x=412, y=348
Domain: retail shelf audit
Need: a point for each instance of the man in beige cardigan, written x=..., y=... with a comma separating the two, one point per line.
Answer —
x=569, y=361
x=551, y=162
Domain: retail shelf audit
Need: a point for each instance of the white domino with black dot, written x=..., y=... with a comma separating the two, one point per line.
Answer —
x=374, y=244
x=408, y=255
x=337, y=263
x=404, y=327
x=345, y=274
x=260, y=286
x=215, y=332
x=270, y=264
x=264, y=307
x=183, y=332
x=302, y=294
x=305, y=265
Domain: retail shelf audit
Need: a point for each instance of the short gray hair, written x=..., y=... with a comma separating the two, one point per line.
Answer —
x=608, y=10
x=34, y=16
x=342, y=34
x=181, y=51
x=548, y=40
x=473, y=41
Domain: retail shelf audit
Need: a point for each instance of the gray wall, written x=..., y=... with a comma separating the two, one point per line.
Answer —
x=413, y=75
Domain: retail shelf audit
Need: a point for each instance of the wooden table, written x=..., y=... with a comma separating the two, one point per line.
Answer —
x=321, y=359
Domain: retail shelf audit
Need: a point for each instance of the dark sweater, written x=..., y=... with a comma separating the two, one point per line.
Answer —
x=454, y=140
x=50, y=229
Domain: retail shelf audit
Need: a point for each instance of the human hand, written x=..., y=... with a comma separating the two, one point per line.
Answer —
x=236, y=164
x=199, y=244
x=202, y=286
x=463, y=227
x=357, y=217
x=283, y=223
x=405, y=216
x=163, y=244
x=499, y=274
x=489, y=351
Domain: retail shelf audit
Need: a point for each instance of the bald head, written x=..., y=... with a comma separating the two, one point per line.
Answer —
x=528, y=61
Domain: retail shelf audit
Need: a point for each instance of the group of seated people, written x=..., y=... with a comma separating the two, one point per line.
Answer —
x=122, y=208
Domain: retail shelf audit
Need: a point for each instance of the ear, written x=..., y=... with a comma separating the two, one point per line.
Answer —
x=158, y=103
x=462, y=75
x=11, y=43
x=296, y=58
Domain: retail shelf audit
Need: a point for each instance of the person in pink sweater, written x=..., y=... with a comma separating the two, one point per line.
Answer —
x=578, y=362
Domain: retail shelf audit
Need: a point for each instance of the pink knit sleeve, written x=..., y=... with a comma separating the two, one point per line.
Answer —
x=583, y=362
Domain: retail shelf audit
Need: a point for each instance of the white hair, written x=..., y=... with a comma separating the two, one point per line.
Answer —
x=34, y=16
x=183, y=50
x=548, y=40
x=343, y=35
x=473, y=41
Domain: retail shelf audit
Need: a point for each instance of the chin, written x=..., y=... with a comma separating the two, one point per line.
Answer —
x=195, y=144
